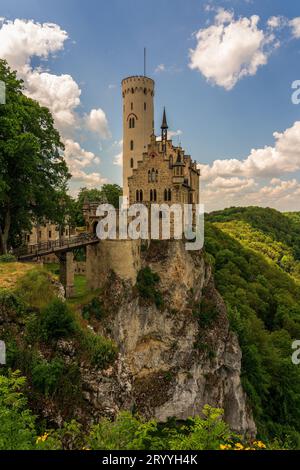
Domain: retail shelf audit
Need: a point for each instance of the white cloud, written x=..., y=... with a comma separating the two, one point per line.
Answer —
x=160, y=68
x=269, y=161
x=230, y=49
x=256, y=180
x=295, y=25
x=118, y=159
x=20, y=42
x=96, y=122
x=78, y=159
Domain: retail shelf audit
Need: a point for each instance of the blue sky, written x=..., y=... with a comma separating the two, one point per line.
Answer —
x=105, y=42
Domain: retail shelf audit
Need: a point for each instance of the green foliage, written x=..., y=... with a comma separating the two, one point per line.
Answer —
x=10, y=304
x=93, y=309
x=203, y=433
x=125, y=433
x=35, y=288
x=100, y=351
x=256, y=272
x=7, y=258
x=57, y=321
x=146, y=284
x=17, y=423
x=46, y=375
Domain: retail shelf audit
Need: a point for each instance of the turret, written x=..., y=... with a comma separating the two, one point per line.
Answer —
x=164, y=132
x=138, y=122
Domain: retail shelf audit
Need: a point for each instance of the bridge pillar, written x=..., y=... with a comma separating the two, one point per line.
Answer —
x=66, y=272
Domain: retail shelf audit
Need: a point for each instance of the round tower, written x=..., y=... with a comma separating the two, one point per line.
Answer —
x=138, y=122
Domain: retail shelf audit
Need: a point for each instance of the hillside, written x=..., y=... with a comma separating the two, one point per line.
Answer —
x=255, y=253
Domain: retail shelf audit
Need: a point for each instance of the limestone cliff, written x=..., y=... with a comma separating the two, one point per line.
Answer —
x=171, y=363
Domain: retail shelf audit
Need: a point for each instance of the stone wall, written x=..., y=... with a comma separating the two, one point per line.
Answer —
x=120, y=256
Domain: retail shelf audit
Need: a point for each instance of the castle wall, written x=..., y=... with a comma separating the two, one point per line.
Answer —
x=120, y=256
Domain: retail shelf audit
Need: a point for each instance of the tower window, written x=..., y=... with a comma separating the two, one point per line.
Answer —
x=169, y=195
x=137, y=195
x=131, y=106
x=132, y=90
x=149, y=176
x=153, y=175
x=156, y=176
x=131, y=163
x=154, y=194
x=145, y=91
x=165, y=195
x=131, y=145
x=141, y=195
x=145, y=106
x=151, y=195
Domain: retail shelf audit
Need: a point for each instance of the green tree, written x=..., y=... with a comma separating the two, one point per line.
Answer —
x=109, y=193
x=33, y=173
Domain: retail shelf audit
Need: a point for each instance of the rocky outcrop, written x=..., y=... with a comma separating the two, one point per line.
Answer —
x=172, y=360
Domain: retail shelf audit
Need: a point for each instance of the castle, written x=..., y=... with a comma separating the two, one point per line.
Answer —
x=154, y=171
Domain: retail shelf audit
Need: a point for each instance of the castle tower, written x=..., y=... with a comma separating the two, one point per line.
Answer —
x=138, y=122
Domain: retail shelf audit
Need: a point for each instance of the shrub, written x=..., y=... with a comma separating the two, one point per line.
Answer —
x=93, y=309
x=8, y=258
x=125, y=433
x=11, y=304
x=100, y=351
x=146, y=284
x=36, y=288
x=57, y=321
x=46, y=375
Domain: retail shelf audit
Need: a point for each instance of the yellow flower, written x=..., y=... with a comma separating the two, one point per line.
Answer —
x=239, y=446
x=225, y=446
x=259, y=444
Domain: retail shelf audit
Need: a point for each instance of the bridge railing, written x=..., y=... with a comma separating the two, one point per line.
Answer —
x=63, y=243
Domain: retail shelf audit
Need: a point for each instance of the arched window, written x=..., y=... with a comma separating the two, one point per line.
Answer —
x=131, y=145
x=145, y=106
x=131, y=163
x=141, y=195
x=154, y=195
x=149, y=176
x=137, y=195
x=169, y=195
x=151, y=195
x=132, y=123
x=145, y=91
x=153, y=175
x=171, y=161
x=165, y=195
x=132, y=90
x=131, y=106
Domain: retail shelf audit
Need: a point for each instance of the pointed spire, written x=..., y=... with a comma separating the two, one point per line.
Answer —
x=164, y=124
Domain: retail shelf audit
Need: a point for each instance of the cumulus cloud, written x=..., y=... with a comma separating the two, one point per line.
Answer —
x=295, y=25
x=96, y=122
x=256, y=179
x=78, y=159
x=283, y=157
x=20, y=42
x=230, y=49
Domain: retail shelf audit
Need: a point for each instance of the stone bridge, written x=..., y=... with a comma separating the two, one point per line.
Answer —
x=64, y=249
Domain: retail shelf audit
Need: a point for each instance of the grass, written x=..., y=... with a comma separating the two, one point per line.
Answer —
x=10, y=273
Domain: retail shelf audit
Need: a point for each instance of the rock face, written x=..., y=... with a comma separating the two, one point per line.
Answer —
x=172, y=360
